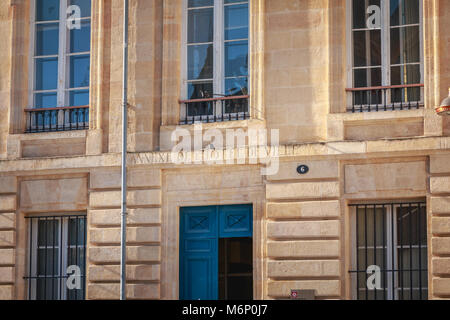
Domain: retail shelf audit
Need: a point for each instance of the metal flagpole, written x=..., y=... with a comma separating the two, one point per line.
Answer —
x=123, y=227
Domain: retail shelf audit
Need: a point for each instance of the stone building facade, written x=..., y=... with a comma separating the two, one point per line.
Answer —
x=376, y=155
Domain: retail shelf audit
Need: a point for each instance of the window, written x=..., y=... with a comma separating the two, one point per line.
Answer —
x=386, y=51
x=61, y=54
x=216, y=56
x=390, y=244
x=57, y=258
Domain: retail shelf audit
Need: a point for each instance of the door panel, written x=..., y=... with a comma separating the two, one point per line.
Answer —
x=199, y=222
x=198, y=253
x=199, y=270
x=235, y=221
x=200, y=230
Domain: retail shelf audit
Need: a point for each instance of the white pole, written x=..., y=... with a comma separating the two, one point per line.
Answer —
x=123, y=227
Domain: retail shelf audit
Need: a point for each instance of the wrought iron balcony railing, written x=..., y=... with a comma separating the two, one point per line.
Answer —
x=209, y=110
x=57, y=119
x=386, y=98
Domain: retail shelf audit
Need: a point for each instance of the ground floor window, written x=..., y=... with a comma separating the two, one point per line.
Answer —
x=57, y=257
x=389, y=260
x=216, y=253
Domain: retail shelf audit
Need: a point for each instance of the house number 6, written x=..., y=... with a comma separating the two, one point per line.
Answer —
x=303, y=169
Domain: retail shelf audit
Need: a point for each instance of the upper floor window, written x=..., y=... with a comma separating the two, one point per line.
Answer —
x=386, y=38
x=216, y=55
x=61, y=53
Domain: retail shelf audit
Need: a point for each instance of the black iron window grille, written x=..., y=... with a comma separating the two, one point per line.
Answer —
x=389, y=251
x=386, y=98
x=57, y=119
x=207, y=110
x=57, y=258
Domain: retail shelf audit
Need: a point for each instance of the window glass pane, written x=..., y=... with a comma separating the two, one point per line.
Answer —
x=48, y=231
x=47, y=289
x=236, y=106
x=46, y=74
x=45, y=100
x=200, y=62
x=362, y=57
x=200, y=90
x=47, y=10
x=359, y=49
x=367, y=77
x=405, y=45
x=234, y=1
x=200, y=109
x=47, y=39
x=404, y=12
x=409, y=74
x=76, y=231
x=200, y=25
x=48, y=261
x=76, y=257
x=360, y=15
x=373, y=222
x=80, y=39
x=79, y=98
x=408, y=220
x=236, y=87
x=370, y=255
x=85, y=6
x=236, y=59
x=200, y=3
x=236, y=22
x=79, y=71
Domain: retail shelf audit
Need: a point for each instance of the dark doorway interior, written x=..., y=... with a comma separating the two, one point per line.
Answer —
x=235, y=269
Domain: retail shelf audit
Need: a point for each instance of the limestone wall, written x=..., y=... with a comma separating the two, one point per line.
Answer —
x=143, y=234
x=8, y=205
x=439, y=223
x=304, y=230
x=296, y=68
x=298, y=78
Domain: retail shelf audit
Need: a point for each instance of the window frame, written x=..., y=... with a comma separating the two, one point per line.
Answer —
x=63, y=89
x=63, y=247
x=219, y=41
x=385, y=47
x=392, y=256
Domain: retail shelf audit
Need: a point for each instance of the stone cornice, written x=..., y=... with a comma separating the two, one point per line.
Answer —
x=342, y=150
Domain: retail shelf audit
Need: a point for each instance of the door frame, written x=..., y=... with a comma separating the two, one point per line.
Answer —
x=174, y=200
x=217, y=220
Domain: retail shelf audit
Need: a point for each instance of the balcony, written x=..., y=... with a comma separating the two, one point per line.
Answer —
x=57, y=119
x=385, y=98
x=208, y=110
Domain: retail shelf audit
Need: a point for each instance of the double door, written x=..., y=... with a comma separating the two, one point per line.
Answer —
x=216, y=252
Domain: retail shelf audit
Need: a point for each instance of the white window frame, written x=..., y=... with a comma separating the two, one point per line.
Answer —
x=63, y=238
x=63, y=90
x=219, y=52
x=391, y=222
x=385, y=47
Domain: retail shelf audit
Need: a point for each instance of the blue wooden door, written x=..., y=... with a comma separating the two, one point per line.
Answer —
x=200, y=230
